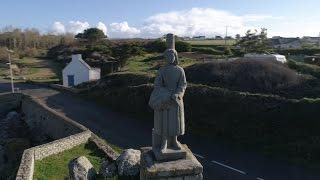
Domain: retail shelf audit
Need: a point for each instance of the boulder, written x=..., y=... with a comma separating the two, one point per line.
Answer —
x=81, y=169
x=129, y=162
x=108, y=169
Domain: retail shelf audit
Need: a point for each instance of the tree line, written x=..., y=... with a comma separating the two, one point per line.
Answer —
x=30, y=41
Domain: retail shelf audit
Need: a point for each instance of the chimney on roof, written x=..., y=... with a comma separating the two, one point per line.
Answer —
x=76, y=57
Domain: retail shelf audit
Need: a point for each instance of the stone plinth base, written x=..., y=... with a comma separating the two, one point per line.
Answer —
x=182, y=169
x=170, y=155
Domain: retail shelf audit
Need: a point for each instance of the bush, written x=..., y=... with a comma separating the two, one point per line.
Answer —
x=156, y=46
x=206, y=50
x=244, y=75
x=182, y=46
x=3, y=54
x=304, y=51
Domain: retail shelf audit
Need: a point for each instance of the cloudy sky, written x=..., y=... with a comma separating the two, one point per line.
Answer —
x=153, y=18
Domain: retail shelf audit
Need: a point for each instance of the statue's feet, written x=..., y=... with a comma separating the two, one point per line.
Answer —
x=163, y=147
x=176, y=145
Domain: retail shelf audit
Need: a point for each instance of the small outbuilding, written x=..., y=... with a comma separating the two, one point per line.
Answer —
x=78, y=71
x=276, y=57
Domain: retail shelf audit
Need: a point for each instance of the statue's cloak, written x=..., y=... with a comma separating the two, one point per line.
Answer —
x=167, y=101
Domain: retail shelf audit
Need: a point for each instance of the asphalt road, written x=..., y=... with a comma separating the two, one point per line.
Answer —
x=220, y=161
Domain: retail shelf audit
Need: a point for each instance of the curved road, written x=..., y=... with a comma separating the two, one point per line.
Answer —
x=219, y=161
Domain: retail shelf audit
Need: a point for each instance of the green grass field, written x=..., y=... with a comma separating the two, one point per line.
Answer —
x=56, y=166
x=211, y=42
x=149, y=63
x=33, y=69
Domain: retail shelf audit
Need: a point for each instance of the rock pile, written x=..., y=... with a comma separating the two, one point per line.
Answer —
x=127, y=164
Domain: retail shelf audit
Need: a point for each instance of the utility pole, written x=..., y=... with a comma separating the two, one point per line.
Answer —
x=319, y=40
x=11, y=74
x=225, y=38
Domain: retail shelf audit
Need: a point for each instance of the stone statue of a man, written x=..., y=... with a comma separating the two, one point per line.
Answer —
x=167, y=102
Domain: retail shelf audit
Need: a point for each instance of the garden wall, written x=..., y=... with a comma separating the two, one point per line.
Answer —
x=29, y=156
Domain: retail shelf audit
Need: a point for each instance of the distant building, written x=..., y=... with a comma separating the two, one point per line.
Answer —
x=311, y=40
x=78, y=71
x=266, y=57
x=199, y=37
x=218, y=37
x=285, y=43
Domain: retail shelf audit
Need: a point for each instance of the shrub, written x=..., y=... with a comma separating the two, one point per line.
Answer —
x=182, y=46
x=304, y=51
x=156, y=46
x=206, y=50
x=244, y=75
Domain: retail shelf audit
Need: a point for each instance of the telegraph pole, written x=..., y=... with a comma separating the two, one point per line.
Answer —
x=11, y=74
x=225, y=38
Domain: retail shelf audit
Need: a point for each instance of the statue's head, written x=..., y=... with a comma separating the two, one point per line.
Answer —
x=171, y=56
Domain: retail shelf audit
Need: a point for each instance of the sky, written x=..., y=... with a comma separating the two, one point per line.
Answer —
x=154, y=18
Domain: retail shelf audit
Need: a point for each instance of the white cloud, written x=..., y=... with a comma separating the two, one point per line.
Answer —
x=102, y=27
x=123, y=30
x=259, y=17
x=196, y=21
x=58, y=28
x=192, y=22
x=76, y=27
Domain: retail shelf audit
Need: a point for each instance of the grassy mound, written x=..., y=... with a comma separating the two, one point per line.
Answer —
x=244, y=75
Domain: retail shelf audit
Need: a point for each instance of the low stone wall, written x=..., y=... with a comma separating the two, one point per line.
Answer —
x=61, y=145
x=9, y=101
x=29, y=156
x=68, y=133
x=47, y=122
x=26, y=167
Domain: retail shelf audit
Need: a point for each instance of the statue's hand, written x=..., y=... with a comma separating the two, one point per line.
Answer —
x=175, y=97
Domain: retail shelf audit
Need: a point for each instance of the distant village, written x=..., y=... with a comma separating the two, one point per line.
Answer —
x=277, y=42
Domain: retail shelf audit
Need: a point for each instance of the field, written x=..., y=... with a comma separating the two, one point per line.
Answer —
x=150, y=63
x=211, y=42
x=33, y=69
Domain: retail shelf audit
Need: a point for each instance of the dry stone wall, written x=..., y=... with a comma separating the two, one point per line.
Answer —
x=60, y=145
x=46, y=121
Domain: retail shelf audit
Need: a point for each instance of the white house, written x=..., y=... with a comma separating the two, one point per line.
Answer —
x=78, y=71
x=277, y=57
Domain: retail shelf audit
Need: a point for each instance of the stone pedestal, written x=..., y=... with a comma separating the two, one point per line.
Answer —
x=188, y=168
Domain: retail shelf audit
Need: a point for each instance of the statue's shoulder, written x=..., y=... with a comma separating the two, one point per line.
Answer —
x=180, y=68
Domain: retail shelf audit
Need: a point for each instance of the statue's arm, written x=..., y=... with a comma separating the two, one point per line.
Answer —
x=158, y=82
x=182, y=85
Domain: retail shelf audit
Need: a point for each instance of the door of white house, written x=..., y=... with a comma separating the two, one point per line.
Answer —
x=70, y=80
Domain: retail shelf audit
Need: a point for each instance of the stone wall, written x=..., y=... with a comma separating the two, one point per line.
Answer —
x=9, y=101
x=61, y=145
x=26, y=167
x=46, y=122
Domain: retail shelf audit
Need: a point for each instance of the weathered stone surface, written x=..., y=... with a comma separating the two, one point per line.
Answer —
x=151, y=169
x=81, y=169
x=129, y=162
x=61, y=145
x=108, y=169
x=26, y=167
x=167, y=102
